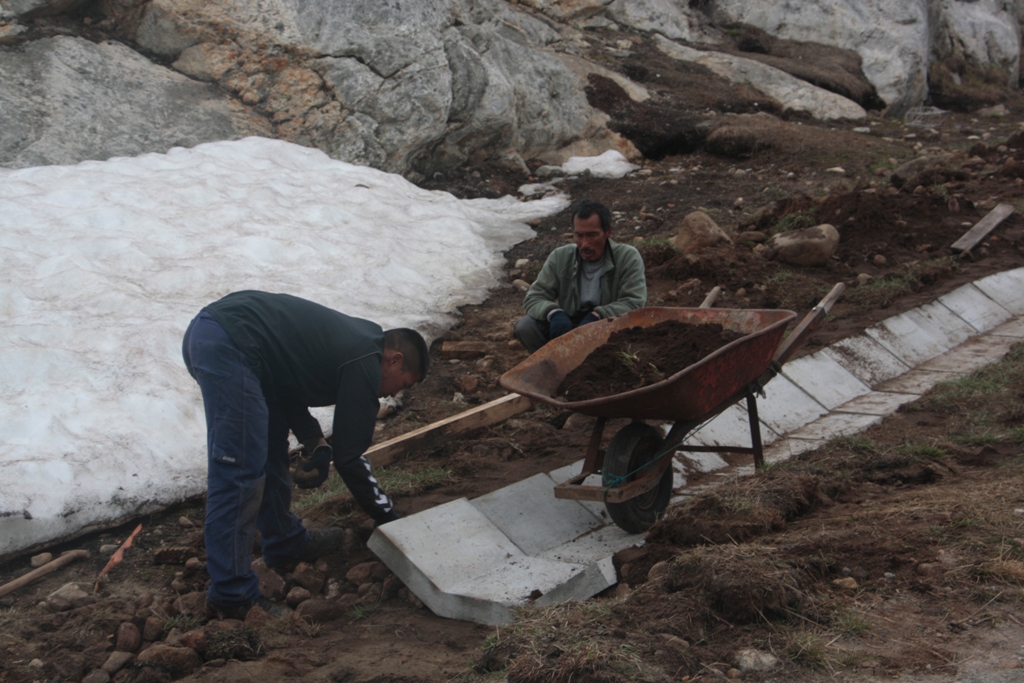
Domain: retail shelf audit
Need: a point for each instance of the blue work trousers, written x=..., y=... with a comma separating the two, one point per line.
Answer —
x=247, y=485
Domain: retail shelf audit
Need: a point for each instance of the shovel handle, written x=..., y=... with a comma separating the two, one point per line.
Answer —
x=795, y=340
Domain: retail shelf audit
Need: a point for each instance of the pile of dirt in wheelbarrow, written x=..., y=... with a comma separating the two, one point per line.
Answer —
x=640, y=356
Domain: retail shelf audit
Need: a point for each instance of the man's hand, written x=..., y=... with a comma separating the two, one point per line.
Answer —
x=591, y=317
x=558, y=324
x=313, y=473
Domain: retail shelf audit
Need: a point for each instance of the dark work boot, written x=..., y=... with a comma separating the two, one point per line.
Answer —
x=240, y=611
x=322, y=542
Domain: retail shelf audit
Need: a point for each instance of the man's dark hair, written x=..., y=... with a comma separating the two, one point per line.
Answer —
x=588, y=207
x=412, y=346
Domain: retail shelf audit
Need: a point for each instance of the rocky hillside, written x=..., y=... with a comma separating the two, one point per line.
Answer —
x=421, y=87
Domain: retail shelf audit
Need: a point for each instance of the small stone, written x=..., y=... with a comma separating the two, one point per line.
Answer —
x=752, y=659
x=520, y=285
x=128, y=638
x=889, y=576
x=522, y=263
x=108, y=549
x=864, y=279
x=116, y=661
x=297, y=596
x=837, y=170
x=97, y=676
x=40, y=559
x=862, y=130
x=879, y=260
x=846, y=583
x=186, y=522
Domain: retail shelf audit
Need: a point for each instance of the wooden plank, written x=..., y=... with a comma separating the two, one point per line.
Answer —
x=486, y=415
x=464, y=350
x=983, y=227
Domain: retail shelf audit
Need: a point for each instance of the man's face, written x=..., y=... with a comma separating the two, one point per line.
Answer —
x=393, y=378
x=590, y=237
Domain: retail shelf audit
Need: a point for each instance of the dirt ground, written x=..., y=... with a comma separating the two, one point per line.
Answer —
x=869, y=559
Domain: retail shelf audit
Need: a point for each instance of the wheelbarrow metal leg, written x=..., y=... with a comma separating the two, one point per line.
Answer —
x=755, y=432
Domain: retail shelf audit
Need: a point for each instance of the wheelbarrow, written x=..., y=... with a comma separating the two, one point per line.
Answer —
x=636, y=475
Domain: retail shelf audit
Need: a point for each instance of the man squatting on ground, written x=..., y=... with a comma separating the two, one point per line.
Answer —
x=261, y=360
x=593, y=279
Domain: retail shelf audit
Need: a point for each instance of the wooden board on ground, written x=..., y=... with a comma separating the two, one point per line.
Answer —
x=464, y=350
x=486, y=415
x=982, y=228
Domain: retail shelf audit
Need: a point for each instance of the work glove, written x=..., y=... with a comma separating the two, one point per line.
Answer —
x=558, y=324
x=313, y=473
x=591, y=317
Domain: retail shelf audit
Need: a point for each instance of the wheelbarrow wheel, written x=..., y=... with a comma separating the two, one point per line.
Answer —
x=634, y=446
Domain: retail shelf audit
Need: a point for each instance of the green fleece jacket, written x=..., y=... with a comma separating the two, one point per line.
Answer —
x=623, y=283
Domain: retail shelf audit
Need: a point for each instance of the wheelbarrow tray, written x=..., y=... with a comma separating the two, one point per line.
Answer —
x=691, y=394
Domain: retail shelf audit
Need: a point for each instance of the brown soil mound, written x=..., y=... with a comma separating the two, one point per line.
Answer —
x=639, y=356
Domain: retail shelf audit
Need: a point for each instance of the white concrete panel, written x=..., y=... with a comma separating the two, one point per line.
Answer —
x=528, y=513
x=866, y=359
x=916, y=381
x=786, y=406
x=1006, y=289
x=731, y=427
x=836, y=424
x=942, y=324
x=461, y=566
x=904, y=336
x=784, y=449
x=596, y=548
x=825, y=379
x=971, y=304
x=1011, y=328
x=877, y=403
x=701, y=462
x=972, y=355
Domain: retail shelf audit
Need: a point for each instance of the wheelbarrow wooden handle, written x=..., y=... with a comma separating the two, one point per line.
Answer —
x=795, y=340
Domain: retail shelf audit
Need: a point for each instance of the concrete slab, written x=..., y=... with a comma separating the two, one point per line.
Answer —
x=786, y=406
x=784, y=449
x=916, y=381
x=971, y=304
x=866, y=359
x=1011, y=328
x=528, y=513
x=835, y=424
x=973, y=354
x=730, y=428
x=942, y=324
x=877, y=403
x=463, y=567
x=596, y=548
x=1006, y=289
x=908, y=339
x=828, y=382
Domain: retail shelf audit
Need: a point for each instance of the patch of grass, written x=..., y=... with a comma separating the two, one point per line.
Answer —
x=807, y=649
x=794, y=221
x=855, y=443
x=907, y=279
x=923, y=450
x=851, y=623
x=183, y=622
x=396, y=481
x=403, y=482
x=363, y=610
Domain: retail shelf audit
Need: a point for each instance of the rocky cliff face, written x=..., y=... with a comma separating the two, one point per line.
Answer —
x=424, y=85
